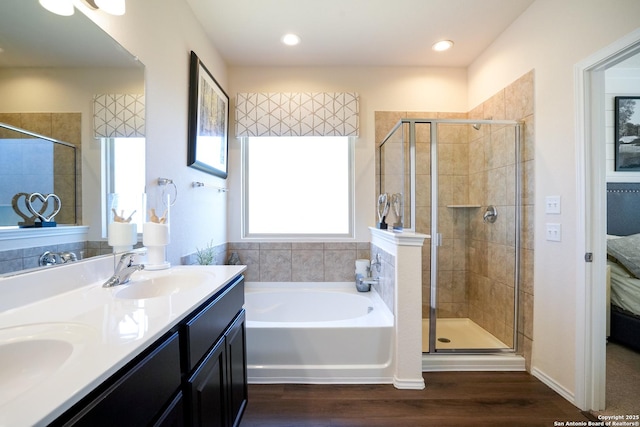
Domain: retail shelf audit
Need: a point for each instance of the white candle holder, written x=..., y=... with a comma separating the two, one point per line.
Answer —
x=122, y=230
x=156, y=236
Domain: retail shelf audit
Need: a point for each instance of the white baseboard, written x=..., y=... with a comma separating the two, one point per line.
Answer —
x=553, y=385
x=408, y=384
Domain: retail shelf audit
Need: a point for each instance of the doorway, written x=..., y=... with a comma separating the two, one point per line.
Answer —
x=591, y=309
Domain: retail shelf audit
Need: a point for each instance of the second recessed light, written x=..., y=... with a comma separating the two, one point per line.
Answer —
x=442, y=45
x=290, y=39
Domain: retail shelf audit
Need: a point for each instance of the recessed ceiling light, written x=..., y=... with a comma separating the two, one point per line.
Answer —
x=290, y=39
x=442, y=45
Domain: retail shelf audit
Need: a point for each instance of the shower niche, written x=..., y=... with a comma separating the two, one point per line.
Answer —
x=459, y=181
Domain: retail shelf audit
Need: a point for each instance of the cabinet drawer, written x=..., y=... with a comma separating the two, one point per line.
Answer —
x=137, y=397
x=203, y=330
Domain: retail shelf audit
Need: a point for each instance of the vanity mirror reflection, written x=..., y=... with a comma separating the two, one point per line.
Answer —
x=51, y=67
x=37, y=179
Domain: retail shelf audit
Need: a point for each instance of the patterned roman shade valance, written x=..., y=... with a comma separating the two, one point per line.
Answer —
x=297, y=114
x=118, y=116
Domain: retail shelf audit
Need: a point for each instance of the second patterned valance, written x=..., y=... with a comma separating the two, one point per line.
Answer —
x=118, y=116
x=297, y=114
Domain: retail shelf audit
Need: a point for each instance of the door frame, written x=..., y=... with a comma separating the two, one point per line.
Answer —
x=591, y=219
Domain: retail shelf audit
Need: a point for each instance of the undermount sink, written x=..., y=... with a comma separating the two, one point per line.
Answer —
x=174, y=281
x=29, y=354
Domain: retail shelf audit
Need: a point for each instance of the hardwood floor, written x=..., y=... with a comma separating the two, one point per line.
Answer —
x=450, y=399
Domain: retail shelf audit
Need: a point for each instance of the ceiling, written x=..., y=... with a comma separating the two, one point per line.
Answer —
x=354, y=32
x=30, y=36
x=396, y=33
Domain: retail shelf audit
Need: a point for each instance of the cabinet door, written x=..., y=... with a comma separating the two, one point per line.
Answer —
x=236, y=359
x=206, y=389
x=211, y=321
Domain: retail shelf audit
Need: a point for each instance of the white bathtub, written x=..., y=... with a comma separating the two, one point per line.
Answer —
x=317, y=333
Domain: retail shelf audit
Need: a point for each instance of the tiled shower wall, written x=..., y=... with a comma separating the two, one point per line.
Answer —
x=490, y=284
x=473, y=281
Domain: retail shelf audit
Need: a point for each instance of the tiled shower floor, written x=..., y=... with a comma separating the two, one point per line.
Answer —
x=461, y=333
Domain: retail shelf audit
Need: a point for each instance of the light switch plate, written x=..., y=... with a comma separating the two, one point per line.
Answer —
x=554, y=232
x=552, y=204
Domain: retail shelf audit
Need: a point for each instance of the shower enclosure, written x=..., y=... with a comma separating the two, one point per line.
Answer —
x=459, y=181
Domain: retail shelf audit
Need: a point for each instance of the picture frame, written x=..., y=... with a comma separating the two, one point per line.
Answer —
x=208, y=134
x=627, y=133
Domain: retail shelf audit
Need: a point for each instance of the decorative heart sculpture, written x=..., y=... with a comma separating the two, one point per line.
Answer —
x=396, y=202
x=15, y=203
x=44, y=199
x=383, y=206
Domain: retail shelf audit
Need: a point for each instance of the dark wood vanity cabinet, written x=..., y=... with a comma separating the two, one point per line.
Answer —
x=217, y=380
x=137, y=395
x=217, y=388
x=195, y=375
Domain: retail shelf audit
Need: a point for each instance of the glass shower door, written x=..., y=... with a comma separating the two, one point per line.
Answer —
x=474, y=249
x=460, y=184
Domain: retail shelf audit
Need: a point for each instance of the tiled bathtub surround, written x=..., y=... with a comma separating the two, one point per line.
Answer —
x=386, y=286
x=14, y=260
x=300, y=261
x=21, y=259
x=472, y=279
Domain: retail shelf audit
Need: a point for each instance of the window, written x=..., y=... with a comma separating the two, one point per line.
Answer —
x=298, y=187
x=124, y=160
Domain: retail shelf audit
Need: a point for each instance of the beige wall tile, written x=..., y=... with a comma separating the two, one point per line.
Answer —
x=307, y=265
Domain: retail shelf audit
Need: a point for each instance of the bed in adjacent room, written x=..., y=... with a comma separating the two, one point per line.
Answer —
x=623, y=250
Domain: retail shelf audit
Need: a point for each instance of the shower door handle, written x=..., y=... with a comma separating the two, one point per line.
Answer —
x=438, y=239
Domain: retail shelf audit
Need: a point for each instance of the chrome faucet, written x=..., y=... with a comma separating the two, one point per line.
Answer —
x=53, y=258
x=363, y=284
x=123, y=270
x=375, y=262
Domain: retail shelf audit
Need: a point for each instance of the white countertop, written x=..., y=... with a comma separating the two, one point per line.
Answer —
x=104, y=331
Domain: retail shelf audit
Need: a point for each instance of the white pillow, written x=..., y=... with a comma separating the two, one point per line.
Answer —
x=627, y=251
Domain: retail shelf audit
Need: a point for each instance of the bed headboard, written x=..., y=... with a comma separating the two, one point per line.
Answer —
x=623, y=208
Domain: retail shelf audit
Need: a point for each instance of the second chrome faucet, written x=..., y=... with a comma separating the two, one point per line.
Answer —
x=123, y=271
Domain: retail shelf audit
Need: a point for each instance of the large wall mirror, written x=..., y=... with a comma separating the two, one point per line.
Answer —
x=37, y=179
x=50, y=69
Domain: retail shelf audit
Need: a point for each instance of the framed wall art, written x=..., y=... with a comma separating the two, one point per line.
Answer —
x=208, y=135
x=627, y=133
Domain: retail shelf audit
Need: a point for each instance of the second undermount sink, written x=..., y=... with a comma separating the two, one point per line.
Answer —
x=29, y=354
x=155, y=285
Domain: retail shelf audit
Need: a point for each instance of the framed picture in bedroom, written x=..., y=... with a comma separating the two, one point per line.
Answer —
x=208, y=134
x=627, y=133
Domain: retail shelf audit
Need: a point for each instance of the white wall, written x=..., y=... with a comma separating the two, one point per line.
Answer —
x=551, y=37
x=161, y=33
x=380, y=89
